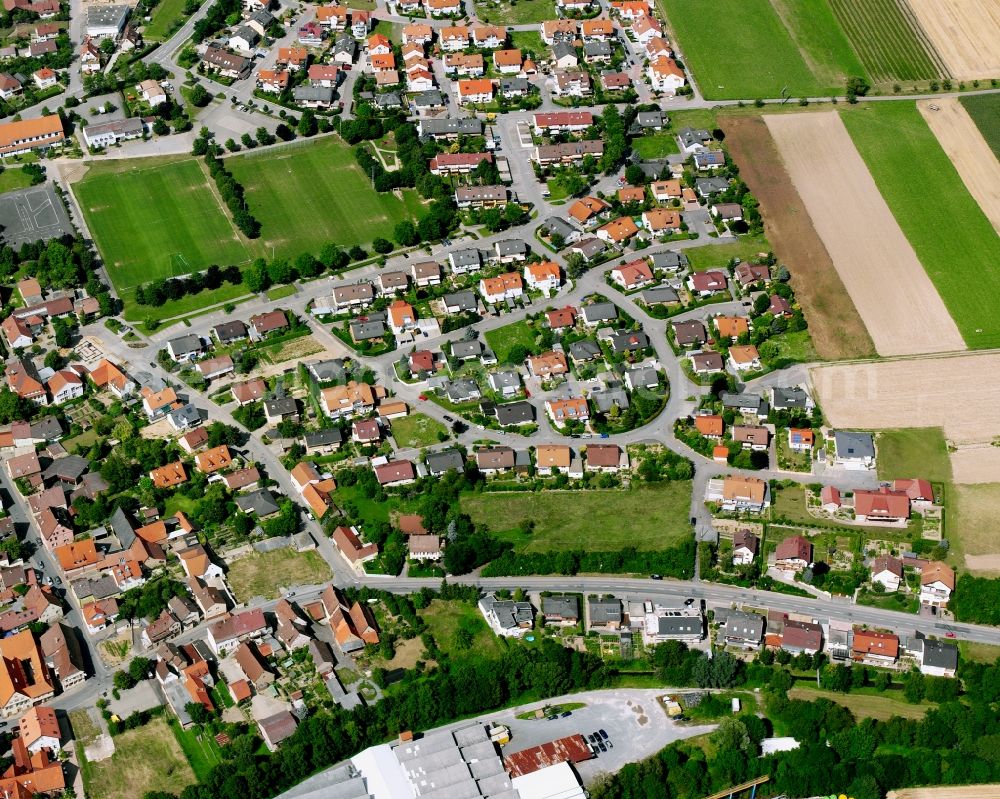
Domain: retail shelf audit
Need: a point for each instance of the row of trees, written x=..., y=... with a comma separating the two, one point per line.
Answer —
x=232, y=195
x=157, y=292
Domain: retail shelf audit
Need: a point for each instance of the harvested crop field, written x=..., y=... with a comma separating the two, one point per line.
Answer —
x=976, y=463
x=836, y=328
x=965, y=146
x=893, y=294
x=959, y=393
x=964, y=33
x=961, y=792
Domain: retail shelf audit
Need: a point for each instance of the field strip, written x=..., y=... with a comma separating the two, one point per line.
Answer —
x=964, y=32
x=973, y=159
x=836, y=328
x=959, y=393
x=976, y=463
x=957, y=792
x=893, y=294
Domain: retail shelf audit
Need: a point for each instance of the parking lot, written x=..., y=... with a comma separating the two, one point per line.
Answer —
x=634, y=722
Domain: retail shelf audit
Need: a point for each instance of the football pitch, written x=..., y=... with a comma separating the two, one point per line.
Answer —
x=156, y=218
x=312, y=193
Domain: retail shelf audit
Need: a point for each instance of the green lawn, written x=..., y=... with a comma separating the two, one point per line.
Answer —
x=262, y=574
x=280, y=292
x=165, y=13
x=506, y=338
x=952, y=237
x=646, y=518
x=888, y=39
x=655, y=145
x=13, y=178
x=309, y=194
x=416, y=431
x=985, y=112
x=155, y=218
x=523, y=12
x=745, y=51
x=528, y=41
x=914, y=452
x=445, y=619
x=146, y=759
x=199, y=746
x=714, y=256
x=790, y=348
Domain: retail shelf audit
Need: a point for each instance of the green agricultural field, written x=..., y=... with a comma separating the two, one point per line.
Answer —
x=952, y=237
x=645, y=518
x=914, y=452
x=747, y=51
x=309, y=194
x=155, y=218
x=985, y=112
x=888, y=39
x=822, y=42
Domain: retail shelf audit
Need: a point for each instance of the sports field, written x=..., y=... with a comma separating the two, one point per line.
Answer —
x=644, y=518
x=888, y=39
x=952, y=237
x=726, y=55
x=985, y=112
x=154, y=218
x=309, y=194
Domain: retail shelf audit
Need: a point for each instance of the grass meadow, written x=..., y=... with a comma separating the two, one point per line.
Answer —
x=985, y=112
x=952, y=237
x=727, y=56
x=644, y=518
x=309, y=194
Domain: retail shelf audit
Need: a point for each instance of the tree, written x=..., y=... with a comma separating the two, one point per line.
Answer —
x=199, y=96
x=63, y=330
x=264, y=136
x=732, y=734
x=161, y=128
x=382, y=246
x=138, y=669
x=108, y=46
x=307, y=124
x=856, y=87
x=634, y=175
x=255, y=276
x=406, y=233
x=123, y=681
x=198, y=712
